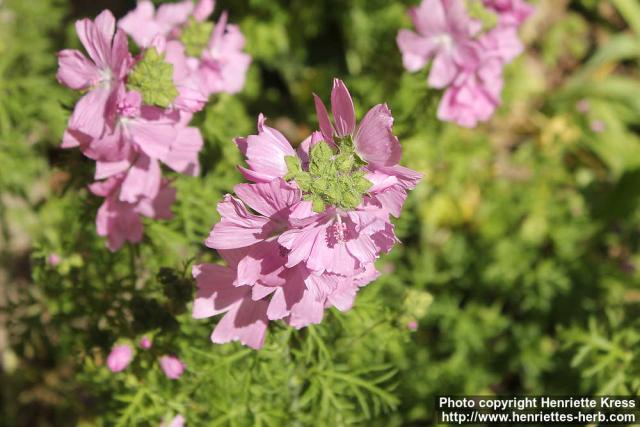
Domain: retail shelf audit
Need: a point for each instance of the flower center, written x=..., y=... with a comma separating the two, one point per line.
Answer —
x=126, y=109
x=333, y=178
x=152, y=76
x=106, y=76
x=445, y=41
x=195, y=36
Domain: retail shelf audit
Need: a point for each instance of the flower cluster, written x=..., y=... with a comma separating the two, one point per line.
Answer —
x=135, y=111
x=214, y=52
x=468, y=54
x=304, y=235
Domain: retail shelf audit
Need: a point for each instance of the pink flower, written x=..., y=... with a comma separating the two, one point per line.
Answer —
x=374, y=140
x=172, y=367
x=101, y=75
x=120, y=221
x=224, y=64
x=510, y=12
x=412, y=325
x=53, y=259
x=475, y=94
x=598, y=126
x=304, y=236
x=467, y=63
x=145, y=342
x=474, y=97
x=444, y=33
x=583, y=106
x=120, y=357
x=221, y=65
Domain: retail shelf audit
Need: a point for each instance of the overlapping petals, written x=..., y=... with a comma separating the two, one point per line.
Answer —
x=219, y=64
x=285, y=260
x=135, y=114
x=465, y=61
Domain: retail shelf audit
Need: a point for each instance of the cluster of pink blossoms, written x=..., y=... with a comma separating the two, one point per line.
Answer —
x=467, y=61
x=135, y=111
x=304, y=235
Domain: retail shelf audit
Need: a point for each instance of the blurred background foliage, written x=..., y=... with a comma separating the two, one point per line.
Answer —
x=520, y=248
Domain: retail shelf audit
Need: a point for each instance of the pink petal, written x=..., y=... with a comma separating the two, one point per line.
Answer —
x=323, y=118
x=429, y=17
x=306, y=312
x=140, y=23
x=216, y=292
x=284, y=298
x=160, y=206
x=246, y=322
x=76, y=71
x=96, y=37
x=266, y=151
x=153, y=137
x=238, y=228
x=443, y=71
x=183, y=154
x=204, y=9
x=375, y=141
x=107, y=169
x=415, y=49
x=89, y=113
x=270, y=198
x=170, y=15
x=142, y=180
x=344, y=114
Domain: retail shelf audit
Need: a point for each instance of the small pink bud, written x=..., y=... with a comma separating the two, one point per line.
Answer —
x=172, y=367
x=412, y=325
x=598, y=126
x=120, y=357
x=583, y=106
x=145, y=342
x=53, y=259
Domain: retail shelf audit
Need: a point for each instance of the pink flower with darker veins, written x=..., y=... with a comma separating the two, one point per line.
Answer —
x=304, y=236
x=120, y=357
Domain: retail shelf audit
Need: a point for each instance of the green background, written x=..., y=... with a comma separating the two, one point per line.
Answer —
x=519, y=258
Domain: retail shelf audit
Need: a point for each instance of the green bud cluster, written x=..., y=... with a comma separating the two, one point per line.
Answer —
x=478, y=11
x=152, y=76
x=195, y=36
x=333, y=178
